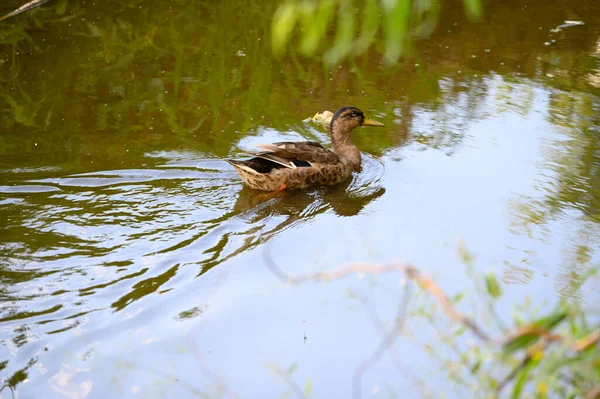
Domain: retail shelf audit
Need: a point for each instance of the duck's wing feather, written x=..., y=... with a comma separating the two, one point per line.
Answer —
x=289, y=153
x=286, y=155
x=274, y=159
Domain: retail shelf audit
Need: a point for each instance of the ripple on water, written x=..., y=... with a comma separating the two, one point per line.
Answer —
x=86, y=247
x=24, y=189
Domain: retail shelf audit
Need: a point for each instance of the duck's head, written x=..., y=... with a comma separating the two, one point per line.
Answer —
x=347, y=118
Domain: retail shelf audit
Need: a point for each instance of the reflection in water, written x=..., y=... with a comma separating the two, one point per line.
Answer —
x=569, y=184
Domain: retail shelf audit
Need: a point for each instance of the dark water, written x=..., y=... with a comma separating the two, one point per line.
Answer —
x=132, y=258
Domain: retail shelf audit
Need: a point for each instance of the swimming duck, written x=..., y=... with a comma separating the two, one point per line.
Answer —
x=297, y=165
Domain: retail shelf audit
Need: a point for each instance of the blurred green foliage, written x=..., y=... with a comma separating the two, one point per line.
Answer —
x=539, y=352
x=345, y=28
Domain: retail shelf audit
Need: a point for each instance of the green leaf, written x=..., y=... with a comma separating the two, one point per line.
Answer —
x=292, y=368
x=522, y=378
x=492, y=285
x=551, y=321
x=474, y=8
x=520, y=342
x=465, y=256
x=314, y=24
x=344, y=36
x=370, y=25
x=282, y=26
x=308, y=388
x=476, y=366
x=525, y=340
x=395, y=25
x=456, y=298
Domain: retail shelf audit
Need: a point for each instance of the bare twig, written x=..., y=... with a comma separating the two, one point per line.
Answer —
x=23, y=8
x=210, y=376
x=428, y=284
x=594, y=393
x=373, y=269
x=414, y=380
x=12, y=391
x=587, y=341
x=383, y=347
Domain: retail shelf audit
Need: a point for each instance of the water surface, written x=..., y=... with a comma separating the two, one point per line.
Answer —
x=132, y=259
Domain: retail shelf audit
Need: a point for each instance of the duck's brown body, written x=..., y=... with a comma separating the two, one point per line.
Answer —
x=303, y=164
x=294, y=178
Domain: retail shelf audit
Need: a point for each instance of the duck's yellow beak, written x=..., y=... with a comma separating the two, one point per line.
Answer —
x=371, y=122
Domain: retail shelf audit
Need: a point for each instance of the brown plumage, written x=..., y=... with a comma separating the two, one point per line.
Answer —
x=303, y=164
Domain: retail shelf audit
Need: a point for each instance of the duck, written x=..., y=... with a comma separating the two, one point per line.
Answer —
x=298, y=165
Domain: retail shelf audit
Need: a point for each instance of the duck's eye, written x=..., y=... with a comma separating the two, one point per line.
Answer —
x=354, y=113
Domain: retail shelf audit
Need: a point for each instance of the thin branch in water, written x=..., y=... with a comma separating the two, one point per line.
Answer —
x=208, y=374
x=447, y=307
x=409, y=270
x=23, y=8
x=12, y=391
x=406, y=372
x=383, y=347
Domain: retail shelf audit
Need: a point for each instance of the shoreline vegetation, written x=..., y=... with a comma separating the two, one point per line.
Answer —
x=552, y=354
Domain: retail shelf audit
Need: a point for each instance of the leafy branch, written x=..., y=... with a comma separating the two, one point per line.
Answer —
x=534, y=338
x=358, y=26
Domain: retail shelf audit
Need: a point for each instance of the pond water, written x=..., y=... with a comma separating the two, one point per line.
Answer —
x=132, y=258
